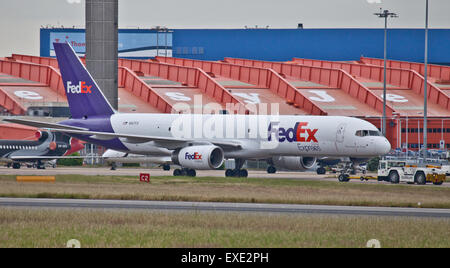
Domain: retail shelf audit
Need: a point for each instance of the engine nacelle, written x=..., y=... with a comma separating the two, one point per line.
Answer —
x=297, y=163
x=202, y=157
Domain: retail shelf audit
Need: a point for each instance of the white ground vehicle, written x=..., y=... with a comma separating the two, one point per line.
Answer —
x=397, y=171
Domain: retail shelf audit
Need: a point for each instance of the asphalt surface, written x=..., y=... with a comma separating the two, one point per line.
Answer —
x=102, y=171
x=221, y=207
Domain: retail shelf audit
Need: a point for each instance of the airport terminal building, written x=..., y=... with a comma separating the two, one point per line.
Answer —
x=305, y=71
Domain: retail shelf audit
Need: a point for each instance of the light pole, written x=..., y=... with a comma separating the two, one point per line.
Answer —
x=385, y=14
x=442, y=130
x=425, y=105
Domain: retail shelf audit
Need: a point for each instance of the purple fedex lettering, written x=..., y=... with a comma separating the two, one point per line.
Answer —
x=195, y=156
x=296, y=134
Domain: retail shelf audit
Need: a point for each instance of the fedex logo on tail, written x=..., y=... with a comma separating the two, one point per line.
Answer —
x=195, y=156
x=299, y=133
x=81, y=88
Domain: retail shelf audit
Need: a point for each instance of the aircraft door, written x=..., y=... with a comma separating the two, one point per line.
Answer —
x=340, y=137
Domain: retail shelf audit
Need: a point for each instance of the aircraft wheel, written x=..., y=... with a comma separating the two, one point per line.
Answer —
x=321, y=171
x=177, y=172
x=438, y=183
x=243, y=173
x=166, y=167
x=229, y=173
x=271, y=170
x=16, y=166
x=191, y=172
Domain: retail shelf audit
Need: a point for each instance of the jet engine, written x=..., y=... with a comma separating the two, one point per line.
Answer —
x=199, y=157
x=295, y=163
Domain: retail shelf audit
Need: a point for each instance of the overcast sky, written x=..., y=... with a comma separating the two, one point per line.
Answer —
x=21, y=19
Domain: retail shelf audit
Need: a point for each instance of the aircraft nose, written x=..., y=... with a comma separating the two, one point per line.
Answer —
x=384, y=147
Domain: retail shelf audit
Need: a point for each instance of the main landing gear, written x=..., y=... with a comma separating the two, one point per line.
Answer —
x=321, y=171
x=238, y=172
x=184, y=172
x=271, y=170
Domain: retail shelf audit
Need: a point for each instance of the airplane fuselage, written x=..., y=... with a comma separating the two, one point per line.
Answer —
x=260, y=136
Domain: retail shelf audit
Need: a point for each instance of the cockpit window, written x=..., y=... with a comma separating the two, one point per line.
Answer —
x=366, y=133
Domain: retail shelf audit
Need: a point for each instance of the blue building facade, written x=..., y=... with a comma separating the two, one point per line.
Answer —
x=268, y=44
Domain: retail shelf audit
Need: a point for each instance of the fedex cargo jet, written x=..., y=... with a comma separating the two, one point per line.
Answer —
x=203, y=141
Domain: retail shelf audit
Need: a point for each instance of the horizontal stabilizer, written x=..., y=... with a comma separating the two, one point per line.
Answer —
x=38, y=124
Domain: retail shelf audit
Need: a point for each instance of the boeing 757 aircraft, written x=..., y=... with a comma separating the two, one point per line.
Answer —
x=196, y=141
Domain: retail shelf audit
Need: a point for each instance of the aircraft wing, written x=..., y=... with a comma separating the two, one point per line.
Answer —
x=38, y=124
x=109, y=136
x=167, y=142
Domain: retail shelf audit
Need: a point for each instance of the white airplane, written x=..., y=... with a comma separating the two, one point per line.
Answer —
x=197, y=141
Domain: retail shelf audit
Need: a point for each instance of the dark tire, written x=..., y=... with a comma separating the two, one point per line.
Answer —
x=16, y=166
x=271, y=170
x=438, y=183
x=343, y=178
x=243, y=173
x=321, y=171
x=394, y=178
x=191, y=172
x=420, y=178
x=166, y=167
x=177, y=172
x=229, y=173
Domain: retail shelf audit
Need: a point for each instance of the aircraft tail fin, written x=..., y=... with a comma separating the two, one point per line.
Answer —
x=83, y=94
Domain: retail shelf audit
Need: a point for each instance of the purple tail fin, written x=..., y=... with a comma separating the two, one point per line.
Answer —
x=83, y=94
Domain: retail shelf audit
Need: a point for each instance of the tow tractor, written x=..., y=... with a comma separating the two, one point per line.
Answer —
x=396, y=171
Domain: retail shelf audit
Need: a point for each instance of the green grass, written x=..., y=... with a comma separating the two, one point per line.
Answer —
x=213, y=189
x=53, y=228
